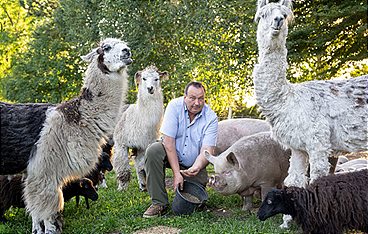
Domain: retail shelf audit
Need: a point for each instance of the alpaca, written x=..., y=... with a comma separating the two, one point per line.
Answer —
x=306, y=117
x=70, y=139
x=21, y=125
x=139, y=126
x=330, y=204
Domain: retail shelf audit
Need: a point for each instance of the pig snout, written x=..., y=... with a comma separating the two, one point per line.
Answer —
x=216, y=182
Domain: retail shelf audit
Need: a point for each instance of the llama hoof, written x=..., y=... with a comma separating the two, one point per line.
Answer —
x=286, y=220
x=143, y=188
x=123, y=187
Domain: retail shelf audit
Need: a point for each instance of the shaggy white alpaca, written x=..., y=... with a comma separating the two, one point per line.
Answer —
x=139, y=126
x=312, y=118
x=70, y=140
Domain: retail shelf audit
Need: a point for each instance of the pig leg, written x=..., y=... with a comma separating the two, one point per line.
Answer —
x=247, y=203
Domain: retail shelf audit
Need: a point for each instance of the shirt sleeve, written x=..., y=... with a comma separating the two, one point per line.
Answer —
x=169, y=125
x=210, y=135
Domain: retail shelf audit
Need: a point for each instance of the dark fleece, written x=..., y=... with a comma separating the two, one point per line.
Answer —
x=21, y=125
x=332, y=204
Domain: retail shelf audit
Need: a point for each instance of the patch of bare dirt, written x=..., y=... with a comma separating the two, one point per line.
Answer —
x=158, y=230
x=221, y=212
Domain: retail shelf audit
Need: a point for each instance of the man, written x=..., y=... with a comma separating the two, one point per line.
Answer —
x=189, y=127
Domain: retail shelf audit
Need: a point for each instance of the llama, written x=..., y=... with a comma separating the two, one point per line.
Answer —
x=306, y=117
x=70, y=139
x=330, y=204
x=139, y=126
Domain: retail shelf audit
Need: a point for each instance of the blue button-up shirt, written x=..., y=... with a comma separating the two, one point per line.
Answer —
x=189, y=136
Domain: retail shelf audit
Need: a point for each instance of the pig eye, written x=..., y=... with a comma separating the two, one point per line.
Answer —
x=269, y=202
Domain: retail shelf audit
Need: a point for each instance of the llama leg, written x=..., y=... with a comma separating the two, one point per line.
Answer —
x=139, y=167
x=43, y=200
x=121, y=167
x=296, y=177
x=297, y=169
x=37, y=226
x=53, y=224
x=319, y=165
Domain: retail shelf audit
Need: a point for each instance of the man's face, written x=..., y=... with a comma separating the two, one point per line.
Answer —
x=194, y=99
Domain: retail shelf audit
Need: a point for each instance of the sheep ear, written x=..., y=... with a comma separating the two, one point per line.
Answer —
x=163, y=75
x=88, y=57
x=260, y=4
x=138, y=76
x=231, y=158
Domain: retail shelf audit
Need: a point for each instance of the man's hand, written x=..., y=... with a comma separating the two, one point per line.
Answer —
x=192, y=171
x=178, y=181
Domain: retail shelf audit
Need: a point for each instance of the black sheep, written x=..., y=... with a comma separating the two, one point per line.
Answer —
x=97, y=175
x=11, y=190
x=332, y=204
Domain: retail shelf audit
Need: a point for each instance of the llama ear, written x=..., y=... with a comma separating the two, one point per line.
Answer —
x=138, y=76
x=88, y=57
x=287, y=3
x=163, y=75
x=260, y=4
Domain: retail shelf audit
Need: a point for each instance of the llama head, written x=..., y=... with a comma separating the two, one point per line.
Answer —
x=273, y=18
x=149, y=80
x=112, y=55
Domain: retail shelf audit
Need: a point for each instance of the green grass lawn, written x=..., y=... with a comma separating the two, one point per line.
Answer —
x=121, y=212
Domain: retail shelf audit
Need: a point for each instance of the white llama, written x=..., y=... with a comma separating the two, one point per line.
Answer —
x=139, y=126
x=70, y=140
x=313, y=118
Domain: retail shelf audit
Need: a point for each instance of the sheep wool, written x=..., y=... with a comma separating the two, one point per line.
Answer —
x=331, y=204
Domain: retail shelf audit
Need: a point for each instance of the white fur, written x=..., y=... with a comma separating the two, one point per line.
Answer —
x=67, y=149
x=312, y=118
x=139, y=126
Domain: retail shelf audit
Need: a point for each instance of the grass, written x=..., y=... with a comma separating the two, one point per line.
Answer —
x=121, y=212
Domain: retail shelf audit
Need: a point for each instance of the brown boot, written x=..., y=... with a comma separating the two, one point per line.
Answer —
x=155, y=210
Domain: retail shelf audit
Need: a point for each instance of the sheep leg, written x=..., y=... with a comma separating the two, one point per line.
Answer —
x=121, y=167
x=139, y=168
x=37, y=226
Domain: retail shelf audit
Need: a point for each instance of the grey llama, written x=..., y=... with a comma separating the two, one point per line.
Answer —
x=70, y=139
x=308, y=117
x=138, y=126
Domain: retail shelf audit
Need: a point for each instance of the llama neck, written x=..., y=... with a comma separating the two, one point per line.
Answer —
x=269, y=75
x=146, y=100
x=108, y=90
x=271, y=47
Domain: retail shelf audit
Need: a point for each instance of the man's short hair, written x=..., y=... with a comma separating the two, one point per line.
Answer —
x=196, y=84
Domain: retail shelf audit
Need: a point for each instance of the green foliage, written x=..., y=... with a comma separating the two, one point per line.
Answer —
x=209, y=41
x=327, y=37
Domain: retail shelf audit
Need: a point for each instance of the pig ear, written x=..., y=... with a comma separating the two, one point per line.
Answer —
x=231, y=158
x=209, y=157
